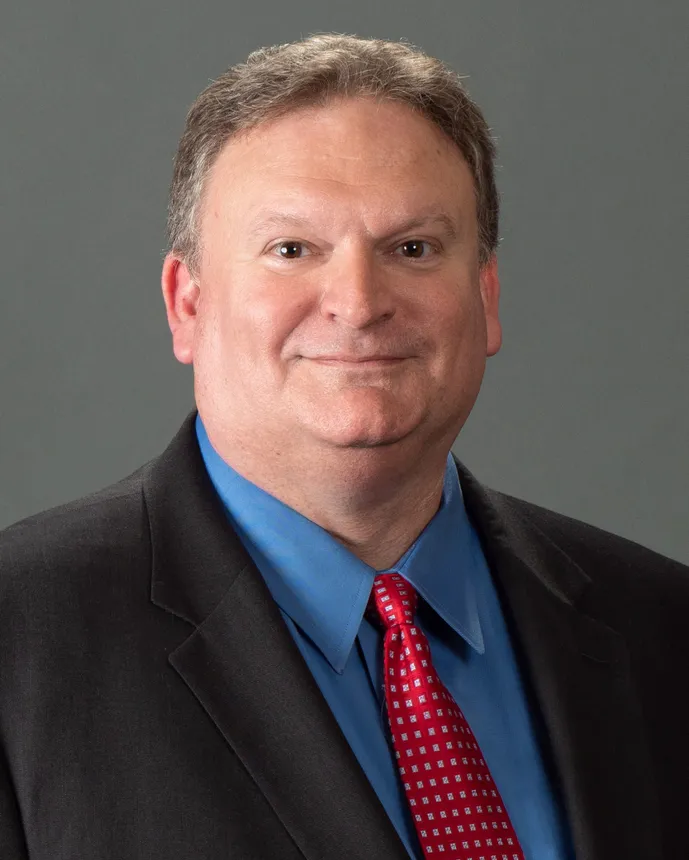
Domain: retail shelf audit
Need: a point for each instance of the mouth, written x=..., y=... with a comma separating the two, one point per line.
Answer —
x=360, y=363
x=353, y=358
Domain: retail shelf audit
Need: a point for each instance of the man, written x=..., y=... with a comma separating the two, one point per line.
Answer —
x=197, y=661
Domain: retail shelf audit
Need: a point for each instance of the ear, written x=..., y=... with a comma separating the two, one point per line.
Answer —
x=181, y=295
x=490, y=295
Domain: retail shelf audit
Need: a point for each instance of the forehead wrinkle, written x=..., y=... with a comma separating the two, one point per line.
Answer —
x=331, y=179
x=360, y=169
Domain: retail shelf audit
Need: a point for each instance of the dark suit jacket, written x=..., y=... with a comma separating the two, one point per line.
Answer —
x=154, y=705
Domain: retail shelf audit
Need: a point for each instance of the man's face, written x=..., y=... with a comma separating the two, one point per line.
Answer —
x=340, y=301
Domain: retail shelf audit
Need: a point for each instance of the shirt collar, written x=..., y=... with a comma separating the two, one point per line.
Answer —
x=321, y=585
x=441, y=563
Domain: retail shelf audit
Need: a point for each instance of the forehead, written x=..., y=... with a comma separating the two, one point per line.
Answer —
x=356, y=151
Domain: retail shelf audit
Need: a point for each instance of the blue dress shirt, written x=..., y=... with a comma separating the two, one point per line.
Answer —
x=322, y=590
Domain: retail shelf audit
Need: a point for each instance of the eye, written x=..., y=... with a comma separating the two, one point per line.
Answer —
x=289, y=249
x=416, y=249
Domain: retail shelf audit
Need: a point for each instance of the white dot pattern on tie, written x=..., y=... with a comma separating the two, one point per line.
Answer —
x=455, y=805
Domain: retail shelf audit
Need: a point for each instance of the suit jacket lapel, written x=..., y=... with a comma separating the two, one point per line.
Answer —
x=579, y=673
x=244, y=668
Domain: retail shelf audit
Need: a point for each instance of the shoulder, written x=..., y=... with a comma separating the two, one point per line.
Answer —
x=619, y=569
x=51, y=553
x=585, y=539
x=624, y=574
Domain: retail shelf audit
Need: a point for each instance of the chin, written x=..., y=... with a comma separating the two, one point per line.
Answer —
x=371, y=441
x=367, y=431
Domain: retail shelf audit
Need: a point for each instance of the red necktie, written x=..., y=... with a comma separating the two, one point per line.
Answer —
x=457, y=810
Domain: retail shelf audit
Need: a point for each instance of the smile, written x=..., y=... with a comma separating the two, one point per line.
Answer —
x=358, y=363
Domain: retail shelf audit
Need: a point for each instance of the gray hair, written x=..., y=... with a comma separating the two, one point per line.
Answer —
x=313, y=72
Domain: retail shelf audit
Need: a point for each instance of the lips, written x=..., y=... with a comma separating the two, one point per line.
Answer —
x=359, y=359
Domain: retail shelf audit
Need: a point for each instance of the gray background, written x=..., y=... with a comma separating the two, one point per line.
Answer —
x=585, y=410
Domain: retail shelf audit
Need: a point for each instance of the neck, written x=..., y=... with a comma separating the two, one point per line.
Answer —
x=374, y=501
x=379, y=529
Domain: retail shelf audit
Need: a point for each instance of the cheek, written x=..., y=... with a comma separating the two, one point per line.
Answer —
x=260, y=317
x=459, y=323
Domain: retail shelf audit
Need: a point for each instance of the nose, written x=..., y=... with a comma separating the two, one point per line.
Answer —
x=355, y=291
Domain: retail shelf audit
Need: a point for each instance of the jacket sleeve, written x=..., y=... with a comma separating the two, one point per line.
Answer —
x=12, y=842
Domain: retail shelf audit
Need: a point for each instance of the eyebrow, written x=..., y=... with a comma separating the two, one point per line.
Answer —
x=272, y=218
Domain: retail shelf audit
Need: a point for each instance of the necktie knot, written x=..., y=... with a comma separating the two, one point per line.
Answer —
x=393, y=600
